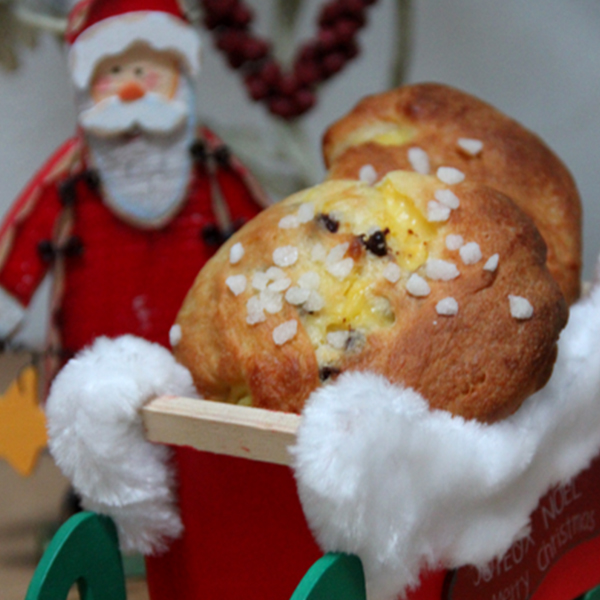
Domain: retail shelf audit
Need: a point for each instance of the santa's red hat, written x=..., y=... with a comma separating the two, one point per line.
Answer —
x=98, y=29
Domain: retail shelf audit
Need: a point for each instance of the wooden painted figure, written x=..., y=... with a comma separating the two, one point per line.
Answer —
x=126, y=212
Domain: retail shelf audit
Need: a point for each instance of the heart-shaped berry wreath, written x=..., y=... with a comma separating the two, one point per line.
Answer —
x=287, y=95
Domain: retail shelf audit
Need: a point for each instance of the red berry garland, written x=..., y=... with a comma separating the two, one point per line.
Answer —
x=287, y=95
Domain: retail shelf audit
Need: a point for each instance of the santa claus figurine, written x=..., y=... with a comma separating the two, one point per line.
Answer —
x=125, y=213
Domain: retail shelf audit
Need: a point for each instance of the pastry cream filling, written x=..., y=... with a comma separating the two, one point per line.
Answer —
x=349, y=305
x=393, y=137
x=338, y=278
x=357, y=303
x=385, y=134
x=387, y=206
x=239, y=394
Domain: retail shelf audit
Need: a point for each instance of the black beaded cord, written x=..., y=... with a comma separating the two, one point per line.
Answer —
x=74, y=247
x=201, y=154
x=211, y=234
x=46, y=250
x=67, y=189
x=67, y=193
x=50, y=251
x=92, y=178
x=198, y=151
x=286, y=95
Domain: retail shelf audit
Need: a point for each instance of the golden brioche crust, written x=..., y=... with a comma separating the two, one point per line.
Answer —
x=480, y=363
x=381, y=128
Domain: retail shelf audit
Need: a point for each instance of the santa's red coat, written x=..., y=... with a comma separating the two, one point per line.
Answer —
x=111, y=277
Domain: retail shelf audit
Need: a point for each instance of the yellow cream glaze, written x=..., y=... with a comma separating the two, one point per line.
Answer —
x=410, y=231
x=239, y=394
x=358, y=302
x=353, y=302
x=349, y=304
x=245, y=401
x=386, y=207
x=385, y=134
x=394, y=137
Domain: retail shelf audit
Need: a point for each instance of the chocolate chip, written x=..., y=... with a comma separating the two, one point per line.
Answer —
x=328, y=222
x=356, y=341
x=376, y=243
x=326, y=373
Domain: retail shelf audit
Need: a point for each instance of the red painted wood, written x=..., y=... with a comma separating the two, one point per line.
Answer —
x=246, y=537
x=245, y=533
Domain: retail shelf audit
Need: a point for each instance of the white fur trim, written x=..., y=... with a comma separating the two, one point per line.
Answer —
x=404, y=487
x=97, y=438
x=114, y=35
x=12, y=313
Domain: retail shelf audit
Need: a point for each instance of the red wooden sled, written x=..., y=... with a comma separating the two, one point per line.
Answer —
x=246, y=536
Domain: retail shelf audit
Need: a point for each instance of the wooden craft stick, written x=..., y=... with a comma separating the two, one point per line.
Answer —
x=221, y=428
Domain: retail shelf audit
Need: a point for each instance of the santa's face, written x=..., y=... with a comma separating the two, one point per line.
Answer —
x=136, y=89
x=134, y=73
x=138, y=118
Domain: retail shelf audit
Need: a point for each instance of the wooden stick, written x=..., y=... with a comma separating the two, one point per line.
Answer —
x=221, y=428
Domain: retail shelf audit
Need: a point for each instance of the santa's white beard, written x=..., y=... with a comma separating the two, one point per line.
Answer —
x=144, y=173
x=151, y=113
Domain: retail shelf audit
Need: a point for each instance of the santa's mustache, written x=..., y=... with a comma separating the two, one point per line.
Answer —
x=152, y=114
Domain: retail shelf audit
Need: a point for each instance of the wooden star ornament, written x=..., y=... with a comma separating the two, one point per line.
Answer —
x=22, y=423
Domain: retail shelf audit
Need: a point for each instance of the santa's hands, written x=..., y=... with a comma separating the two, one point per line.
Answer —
x=402, y=486
x=97, y=438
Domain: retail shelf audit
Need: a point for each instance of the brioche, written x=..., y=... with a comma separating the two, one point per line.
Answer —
x=426, y=126
x=432, y=282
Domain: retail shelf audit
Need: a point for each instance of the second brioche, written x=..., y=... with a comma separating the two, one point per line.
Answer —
x=426, y=126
